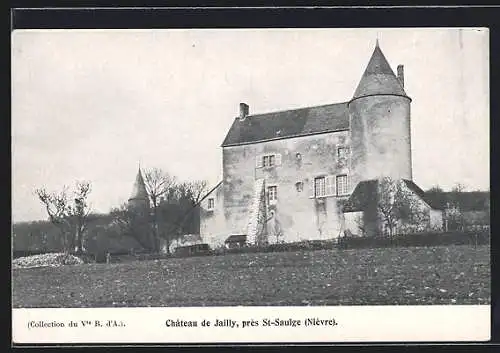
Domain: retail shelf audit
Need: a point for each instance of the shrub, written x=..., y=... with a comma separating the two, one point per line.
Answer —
x=279, y=247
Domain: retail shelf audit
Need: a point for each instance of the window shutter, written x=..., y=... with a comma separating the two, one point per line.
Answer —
x=258, y=161
x=311, y=191
x=330, y=185
x=278, y=158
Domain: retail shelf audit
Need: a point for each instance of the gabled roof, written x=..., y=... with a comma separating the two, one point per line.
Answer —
x=417, y=190
x=363, y=197
x=378, y=78
x=209, y=192
x=289, y=123
x=139, y=190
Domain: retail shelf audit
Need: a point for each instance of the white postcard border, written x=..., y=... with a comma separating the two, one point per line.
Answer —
x=440, y=323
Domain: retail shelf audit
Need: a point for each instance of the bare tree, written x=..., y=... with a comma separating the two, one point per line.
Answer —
x=176, y=215
x=68, y=215
x=172, y=203
x=197, y=189
x=453, y=217
x=359, y=221
x=159, y=184
x=56, y=205
x=189, y=194
x=80, y=211
x=397, y=206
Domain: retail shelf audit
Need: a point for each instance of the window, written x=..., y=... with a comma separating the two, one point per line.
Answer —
x=324, y=186
x=272, y=194
x=299, y=186
x=342, y=152
x=342, y=185
x=268, y=160
x=319, y=187
x=211, y=204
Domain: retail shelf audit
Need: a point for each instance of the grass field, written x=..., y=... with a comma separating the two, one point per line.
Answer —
x=408, y=276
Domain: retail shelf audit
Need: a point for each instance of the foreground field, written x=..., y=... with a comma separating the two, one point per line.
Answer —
x=408, y=276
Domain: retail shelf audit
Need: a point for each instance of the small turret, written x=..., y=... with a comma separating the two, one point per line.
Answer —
x=139, y=196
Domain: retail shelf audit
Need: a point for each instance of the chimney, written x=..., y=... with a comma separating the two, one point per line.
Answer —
x=243, y=111
x=401, y=75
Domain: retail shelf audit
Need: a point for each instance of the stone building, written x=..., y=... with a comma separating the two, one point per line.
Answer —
x=288, y=174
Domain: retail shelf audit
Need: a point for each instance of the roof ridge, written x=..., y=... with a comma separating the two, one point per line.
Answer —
x=294, y=109
x=209, y=192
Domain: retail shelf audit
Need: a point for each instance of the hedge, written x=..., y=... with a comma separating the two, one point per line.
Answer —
x=418, y=239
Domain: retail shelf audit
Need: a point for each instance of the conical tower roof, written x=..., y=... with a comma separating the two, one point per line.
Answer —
x=378, y=78
x=139, y=191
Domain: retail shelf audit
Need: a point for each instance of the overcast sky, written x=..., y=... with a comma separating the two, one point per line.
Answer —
x=92, y=104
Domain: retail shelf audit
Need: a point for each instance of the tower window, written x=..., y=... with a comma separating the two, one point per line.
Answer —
x=211, y=204
x=342, y=185
x=342, y=152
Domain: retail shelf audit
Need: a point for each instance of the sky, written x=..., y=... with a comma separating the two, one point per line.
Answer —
x=93, y=104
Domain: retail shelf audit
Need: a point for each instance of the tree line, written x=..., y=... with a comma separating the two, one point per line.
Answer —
x=171, y=214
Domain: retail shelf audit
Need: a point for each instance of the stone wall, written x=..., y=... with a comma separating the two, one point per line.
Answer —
x=212, y=223
x=380, y=138
x=296, y=215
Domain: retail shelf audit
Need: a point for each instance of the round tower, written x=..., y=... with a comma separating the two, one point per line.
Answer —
x=139, y=199
x=379, y=115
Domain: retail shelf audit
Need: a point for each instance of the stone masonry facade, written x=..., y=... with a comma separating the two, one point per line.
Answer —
x=309, y=161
